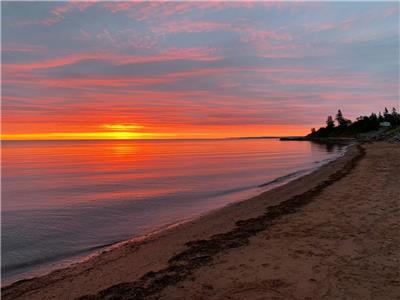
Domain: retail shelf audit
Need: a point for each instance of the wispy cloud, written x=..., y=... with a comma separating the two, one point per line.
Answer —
x=195, y=66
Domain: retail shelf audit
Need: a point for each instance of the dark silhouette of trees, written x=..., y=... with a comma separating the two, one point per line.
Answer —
x=339, y=117
x=342, y=121
x=361, y=124
x=386, y=115
x=329, y=122
x=395, y=117
x=380, y=117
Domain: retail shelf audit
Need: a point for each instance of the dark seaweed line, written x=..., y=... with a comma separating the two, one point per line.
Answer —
x=201, y=252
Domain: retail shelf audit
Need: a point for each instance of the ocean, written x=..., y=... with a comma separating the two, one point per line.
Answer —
x=65, y=200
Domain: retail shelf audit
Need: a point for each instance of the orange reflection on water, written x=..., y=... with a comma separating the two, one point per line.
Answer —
x=124, y=149
x=76, y=195
x=78, y=171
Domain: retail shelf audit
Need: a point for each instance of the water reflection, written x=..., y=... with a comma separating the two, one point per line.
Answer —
x=332, y=146
x=124, y=149
x=63, y=198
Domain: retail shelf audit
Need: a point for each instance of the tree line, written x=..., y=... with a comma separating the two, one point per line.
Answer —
x=345, y=127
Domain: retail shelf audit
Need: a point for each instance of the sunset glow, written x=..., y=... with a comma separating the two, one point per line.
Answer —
x=120, y=135
x=160, y=143
x=133, y=70
x=121, y=127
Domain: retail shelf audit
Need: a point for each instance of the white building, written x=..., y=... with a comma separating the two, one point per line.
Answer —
x=384, y=124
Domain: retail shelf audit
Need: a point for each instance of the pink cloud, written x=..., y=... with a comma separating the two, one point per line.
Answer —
x=119, y=6
x=254, y=35
x=125, y=83
x=70, y=6
x=189, y=27
x=27, y=48
x=342, y=25
x=391, y=11
x=201, y=54
x=269, y=43
x=59, y=12
x=83, y=36
x=322, y=27
x=115, y=81
x=147, y=11
x=127, y=38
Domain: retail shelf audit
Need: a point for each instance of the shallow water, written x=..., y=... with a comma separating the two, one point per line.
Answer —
x=62, y=200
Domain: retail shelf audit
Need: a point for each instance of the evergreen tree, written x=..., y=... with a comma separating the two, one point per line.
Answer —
x=380, y=117
x=329, y=122
x=342, y=121
x=339, y=117
x=373, y=122
x=362, y=124
x=395, y=117
x=387, y=117
x=385, y=112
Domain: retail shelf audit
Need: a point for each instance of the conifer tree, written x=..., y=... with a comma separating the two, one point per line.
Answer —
x=341, y=120
x=329, y=122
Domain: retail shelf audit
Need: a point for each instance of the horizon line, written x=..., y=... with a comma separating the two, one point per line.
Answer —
x=147, y=139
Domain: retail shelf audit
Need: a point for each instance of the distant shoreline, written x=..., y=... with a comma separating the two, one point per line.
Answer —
x=132, y=140
x=391, y=134
x=322, y=139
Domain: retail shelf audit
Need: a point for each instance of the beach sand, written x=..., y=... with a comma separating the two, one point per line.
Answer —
x=332, y=234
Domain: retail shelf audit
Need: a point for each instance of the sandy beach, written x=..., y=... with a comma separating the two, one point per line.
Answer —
x=332, y=234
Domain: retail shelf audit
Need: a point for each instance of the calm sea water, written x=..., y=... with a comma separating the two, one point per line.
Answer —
x=62, y=200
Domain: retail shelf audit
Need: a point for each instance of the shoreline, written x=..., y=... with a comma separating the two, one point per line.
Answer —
x=320, y=139
x=69, y=262
x=76, y=260
x=146, y=238
x=176, y=245
x=201, y=252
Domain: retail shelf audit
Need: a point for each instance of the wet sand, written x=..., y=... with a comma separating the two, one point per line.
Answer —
x=332, y=234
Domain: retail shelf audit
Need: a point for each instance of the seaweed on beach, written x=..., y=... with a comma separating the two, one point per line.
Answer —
x=201, y=252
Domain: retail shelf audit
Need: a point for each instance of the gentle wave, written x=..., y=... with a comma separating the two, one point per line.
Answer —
x=63, y=200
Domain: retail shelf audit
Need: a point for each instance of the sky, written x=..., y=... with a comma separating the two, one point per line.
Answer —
x=94, y=70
